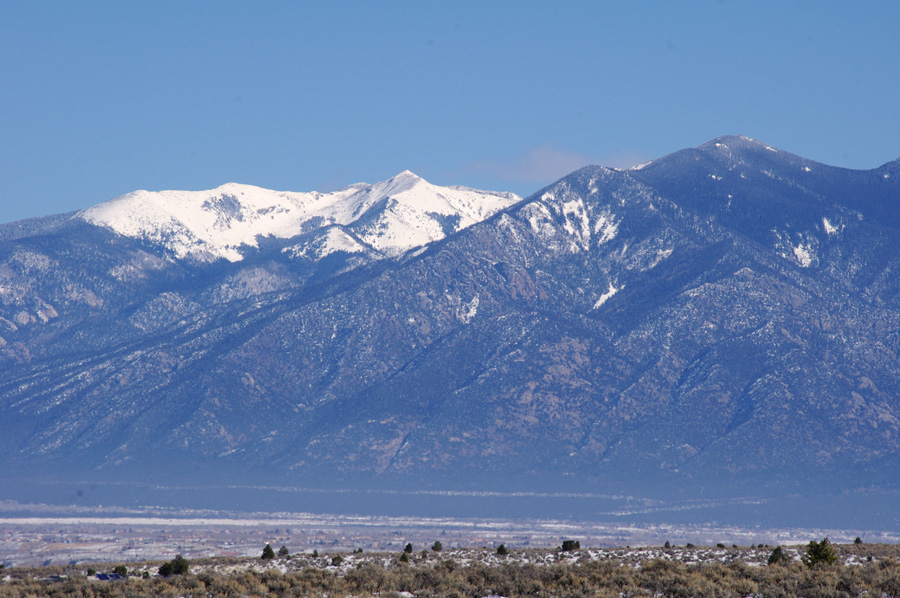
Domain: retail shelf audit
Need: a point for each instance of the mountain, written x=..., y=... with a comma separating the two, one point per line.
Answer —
x=722, y=320
x=384, y=219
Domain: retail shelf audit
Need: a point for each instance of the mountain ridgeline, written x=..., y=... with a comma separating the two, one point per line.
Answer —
x=724, y=315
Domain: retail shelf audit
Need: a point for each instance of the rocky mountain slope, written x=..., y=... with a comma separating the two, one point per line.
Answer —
x=725, y=314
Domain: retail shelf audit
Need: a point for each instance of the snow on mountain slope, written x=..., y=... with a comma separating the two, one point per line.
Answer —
x=391, y=217
x=325, y=242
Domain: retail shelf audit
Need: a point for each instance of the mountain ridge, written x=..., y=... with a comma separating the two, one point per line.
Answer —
x=388, y=217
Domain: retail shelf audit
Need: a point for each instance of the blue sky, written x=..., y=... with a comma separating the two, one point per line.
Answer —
x=102, y=98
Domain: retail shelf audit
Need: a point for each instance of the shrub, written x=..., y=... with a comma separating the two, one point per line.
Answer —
x=177, y=566
x=777, y=557
x=819, y=553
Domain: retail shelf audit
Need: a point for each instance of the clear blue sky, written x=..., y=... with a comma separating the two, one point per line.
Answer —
x=101, y=98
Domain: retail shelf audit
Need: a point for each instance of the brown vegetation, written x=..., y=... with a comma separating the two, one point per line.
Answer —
x=434, y=575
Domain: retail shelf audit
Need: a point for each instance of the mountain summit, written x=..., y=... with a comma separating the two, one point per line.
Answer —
x=387, y=218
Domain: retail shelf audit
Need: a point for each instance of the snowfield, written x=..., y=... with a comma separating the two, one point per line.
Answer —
x=389, y=217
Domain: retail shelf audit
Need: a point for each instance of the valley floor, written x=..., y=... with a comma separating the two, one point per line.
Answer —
x=76, y=538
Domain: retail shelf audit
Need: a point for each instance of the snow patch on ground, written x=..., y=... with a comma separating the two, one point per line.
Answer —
x=471, y=308
x=606, y=227
x=607, y=295
x=831, y=229
x=578, y=223
x=333, y=241
x=661, y=254
x=803, y=255
x=540, y=219
x=465, y=311
x=799, y=248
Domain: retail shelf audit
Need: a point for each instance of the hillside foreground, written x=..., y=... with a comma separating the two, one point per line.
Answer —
x=687, y=571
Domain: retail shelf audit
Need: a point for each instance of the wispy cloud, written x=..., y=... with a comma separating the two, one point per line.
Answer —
x=544, y=164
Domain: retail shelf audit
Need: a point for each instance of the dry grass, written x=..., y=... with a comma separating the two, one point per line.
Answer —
x=672, y=573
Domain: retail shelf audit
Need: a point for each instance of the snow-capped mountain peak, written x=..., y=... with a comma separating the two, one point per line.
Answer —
x=390, y=217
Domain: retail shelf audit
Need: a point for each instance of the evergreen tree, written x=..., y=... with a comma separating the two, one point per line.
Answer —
x=820, y=553
x=268, y=553
x=177, y=566
x=502, y=550
x=777, y=557
x=437, y=546
x=180, y=565
x=283, y=551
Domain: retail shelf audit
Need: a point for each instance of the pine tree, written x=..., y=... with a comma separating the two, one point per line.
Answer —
x=180, y=565
x=268, y=553
x=820, y=553
x=177, y=566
